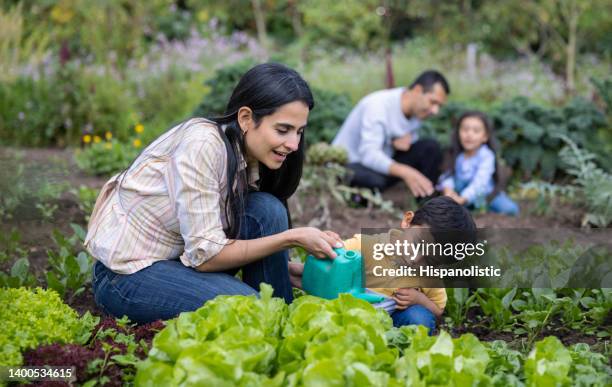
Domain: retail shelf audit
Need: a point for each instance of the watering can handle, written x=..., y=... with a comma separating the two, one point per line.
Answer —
x=369, y=297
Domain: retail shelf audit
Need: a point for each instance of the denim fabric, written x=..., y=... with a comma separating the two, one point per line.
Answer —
x=167, y=288
x=502, y=204
x=414, y=315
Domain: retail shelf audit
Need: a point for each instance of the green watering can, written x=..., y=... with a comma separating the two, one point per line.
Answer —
x=327, y=278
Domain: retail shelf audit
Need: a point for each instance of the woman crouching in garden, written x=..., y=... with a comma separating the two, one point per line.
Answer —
x=205, y=199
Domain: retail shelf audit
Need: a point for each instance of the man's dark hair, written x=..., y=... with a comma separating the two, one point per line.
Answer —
x=428, y=79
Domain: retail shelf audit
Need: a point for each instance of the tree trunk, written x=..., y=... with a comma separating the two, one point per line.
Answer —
x=260, y=23
x=389, y=79
x=570, y=64
x=296, y=19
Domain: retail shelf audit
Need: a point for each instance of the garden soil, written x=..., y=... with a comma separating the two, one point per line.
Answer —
x=36, y=233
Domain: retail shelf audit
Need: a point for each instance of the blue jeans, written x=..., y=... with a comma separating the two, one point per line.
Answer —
x=414, y=315
x=502, y=204
x=167, y=288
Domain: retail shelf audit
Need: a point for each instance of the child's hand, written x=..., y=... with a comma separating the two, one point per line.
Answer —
x=454, y=195
x=296, y=270
x=405, y=297
x=447, y=191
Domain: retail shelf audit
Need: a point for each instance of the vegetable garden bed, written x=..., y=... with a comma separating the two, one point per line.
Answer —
x=487, y=336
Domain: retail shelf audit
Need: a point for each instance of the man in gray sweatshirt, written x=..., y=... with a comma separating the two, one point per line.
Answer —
x=382, y=139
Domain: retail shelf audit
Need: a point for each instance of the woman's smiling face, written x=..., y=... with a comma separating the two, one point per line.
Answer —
x=277, y=134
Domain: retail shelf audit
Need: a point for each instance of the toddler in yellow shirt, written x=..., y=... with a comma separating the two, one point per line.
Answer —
x=419, y=305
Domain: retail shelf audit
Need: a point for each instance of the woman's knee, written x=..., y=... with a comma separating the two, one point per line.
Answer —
x=163, y=291
x=268, y=212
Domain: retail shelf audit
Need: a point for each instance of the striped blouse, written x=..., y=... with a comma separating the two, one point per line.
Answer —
x=168, y=205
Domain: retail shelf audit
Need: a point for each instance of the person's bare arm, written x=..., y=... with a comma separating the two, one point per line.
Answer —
x=417, y=182
x=454, y=195
x=238, y=253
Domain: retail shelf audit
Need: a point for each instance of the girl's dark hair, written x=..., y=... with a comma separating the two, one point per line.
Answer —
x=263, y=89
x=457, y=148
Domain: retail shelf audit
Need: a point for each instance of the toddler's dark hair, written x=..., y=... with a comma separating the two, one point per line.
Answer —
x=443, y=213
x=448, y=222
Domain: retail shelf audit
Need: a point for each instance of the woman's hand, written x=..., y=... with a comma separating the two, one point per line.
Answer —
x=296, y=270
x=316, y=242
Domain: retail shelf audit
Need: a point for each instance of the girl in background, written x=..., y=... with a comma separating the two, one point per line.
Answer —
x=473, y=178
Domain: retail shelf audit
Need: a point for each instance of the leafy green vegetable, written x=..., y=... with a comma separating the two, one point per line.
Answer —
x=34, y=317
x=243, y=340
x=548, y=364
x=231, y=340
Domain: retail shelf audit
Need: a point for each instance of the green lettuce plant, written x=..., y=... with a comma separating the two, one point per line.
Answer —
x=34, y=317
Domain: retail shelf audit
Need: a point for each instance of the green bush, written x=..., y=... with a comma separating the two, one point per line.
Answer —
x=106, y=158
x=58, y=110
x=348, y=23
x=29, y=112
x=330, y=111
x=604, y=89
x=323, y=122
x=166, y=98
x=219, y=88
x=35, y=317
x=594, y=183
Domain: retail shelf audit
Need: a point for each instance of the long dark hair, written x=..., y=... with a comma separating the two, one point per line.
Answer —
x=457, y=148
x=263, y=89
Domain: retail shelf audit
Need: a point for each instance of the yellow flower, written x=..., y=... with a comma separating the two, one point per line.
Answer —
x=137, y=143
x=61, y=13
x=87, y=139
x=108, y=145
x=108, y=136
x=202, y=16
x=139, y=128
x=97, y=139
